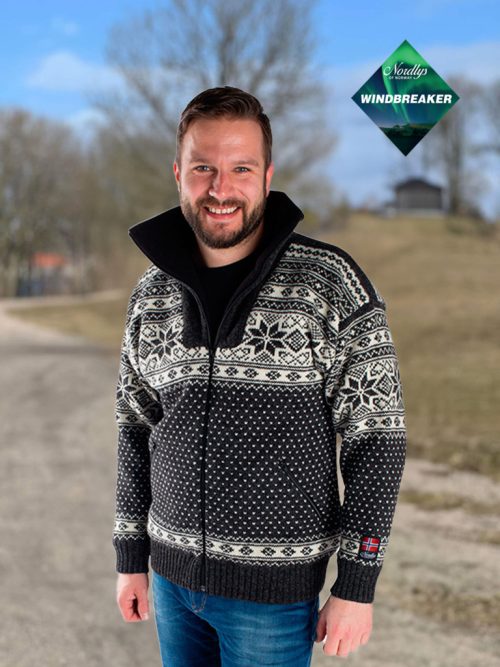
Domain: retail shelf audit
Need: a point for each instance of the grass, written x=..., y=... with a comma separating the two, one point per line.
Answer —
x=439, y=278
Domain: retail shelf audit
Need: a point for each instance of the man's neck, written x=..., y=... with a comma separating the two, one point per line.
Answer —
x=213, y=257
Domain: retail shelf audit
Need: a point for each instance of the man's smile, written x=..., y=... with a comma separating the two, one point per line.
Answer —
x=222, y=214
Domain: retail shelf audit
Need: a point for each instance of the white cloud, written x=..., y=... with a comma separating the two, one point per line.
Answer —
x=67, y=72
x=477, y=61
x=85, y=119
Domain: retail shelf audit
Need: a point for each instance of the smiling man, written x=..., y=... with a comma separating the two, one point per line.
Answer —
x=224, y=186
x=247, y=347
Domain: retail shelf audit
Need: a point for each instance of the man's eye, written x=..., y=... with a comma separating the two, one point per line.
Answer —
x=244, y=168
x=202, y=167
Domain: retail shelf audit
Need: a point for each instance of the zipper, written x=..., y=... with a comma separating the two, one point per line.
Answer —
x=211, y=352
x=311, y=502
x=203, y=586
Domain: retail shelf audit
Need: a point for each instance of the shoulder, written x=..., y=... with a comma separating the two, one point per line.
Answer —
x=152, y=284
x=337, y=271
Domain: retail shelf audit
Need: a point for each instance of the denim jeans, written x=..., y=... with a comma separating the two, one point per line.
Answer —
x=196, y=629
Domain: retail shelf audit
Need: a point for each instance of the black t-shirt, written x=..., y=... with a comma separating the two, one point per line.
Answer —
x=219, y=284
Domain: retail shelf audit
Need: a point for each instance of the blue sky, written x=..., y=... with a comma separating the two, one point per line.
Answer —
x=50, y=51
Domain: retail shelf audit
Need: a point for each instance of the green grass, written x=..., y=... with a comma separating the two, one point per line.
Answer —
x=440, y=279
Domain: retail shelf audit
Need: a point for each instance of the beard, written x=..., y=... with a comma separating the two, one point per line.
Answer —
x=218, y=237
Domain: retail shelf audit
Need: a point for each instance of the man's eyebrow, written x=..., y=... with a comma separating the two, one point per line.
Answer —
x=249, y=160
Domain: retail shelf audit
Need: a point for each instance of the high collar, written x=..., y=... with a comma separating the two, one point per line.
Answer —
x=169, y=242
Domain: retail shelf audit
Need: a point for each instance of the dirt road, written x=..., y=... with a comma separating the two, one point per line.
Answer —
x=435, y=599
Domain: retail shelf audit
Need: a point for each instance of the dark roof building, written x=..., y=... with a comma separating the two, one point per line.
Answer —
x=416, y=195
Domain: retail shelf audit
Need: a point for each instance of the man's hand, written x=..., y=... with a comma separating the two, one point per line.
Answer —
x=346, y=624
x=132, y=596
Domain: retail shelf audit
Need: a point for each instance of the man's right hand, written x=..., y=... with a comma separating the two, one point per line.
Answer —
x=132, y=596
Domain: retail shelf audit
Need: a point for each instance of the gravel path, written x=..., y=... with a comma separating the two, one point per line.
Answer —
x=57, y=561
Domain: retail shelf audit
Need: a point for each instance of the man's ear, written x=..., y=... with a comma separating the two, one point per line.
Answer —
x=177, y=174
x=269, y=176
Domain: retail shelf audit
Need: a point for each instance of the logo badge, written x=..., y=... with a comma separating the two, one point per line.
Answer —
x=369, y=547
x=405, y=97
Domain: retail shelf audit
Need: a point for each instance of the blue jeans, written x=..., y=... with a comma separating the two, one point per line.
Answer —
x=196, y=629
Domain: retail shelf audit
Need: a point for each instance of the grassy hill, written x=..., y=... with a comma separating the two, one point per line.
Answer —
x=440, y=279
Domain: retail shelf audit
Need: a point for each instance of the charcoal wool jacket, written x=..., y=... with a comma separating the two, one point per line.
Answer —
x=226, y=456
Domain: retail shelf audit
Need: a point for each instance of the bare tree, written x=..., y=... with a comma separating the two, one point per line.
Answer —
x=167, y=55
x=39, y=180
x=491, y=104
x=451, y=148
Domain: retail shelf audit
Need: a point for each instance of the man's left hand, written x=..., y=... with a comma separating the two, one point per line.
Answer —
x=346, y=624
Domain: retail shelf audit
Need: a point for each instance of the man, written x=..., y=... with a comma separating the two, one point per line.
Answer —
x=247, y=347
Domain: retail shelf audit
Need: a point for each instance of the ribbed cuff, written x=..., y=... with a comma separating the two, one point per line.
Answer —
x=355, y=581
x=132, y=556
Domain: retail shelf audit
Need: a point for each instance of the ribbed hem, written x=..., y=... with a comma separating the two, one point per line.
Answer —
x=279, y=584
x=131, y=556
x=355, y=581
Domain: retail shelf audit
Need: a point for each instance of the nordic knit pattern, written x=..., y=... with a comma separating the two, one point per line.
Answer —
x=227, y=455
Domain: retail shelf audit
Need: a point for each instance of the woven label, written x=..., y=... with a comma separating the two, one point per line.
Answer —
x=369, y=547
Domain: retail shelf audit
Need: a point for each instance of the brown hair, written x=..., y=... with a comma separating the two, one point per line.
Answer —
x=229, y=102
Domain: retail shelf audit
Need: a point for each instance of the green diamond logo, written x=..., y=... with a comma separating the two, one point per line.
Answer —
x=405, y=97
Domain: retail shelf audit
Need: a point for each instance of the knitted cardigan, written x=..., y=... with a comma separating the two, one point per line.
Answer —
x=226, y=457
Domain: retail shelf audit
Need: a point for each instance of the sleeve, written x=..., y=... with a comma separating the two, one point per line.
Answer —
x=138, y=410
x=364, y=390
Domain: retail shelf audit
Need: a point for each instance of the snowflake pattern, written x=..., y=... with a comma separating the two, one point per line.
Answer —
x=267, y=337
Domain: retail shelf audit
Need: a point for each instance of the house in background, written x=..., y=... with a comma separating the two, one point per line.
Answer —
x=417, y=196
x=47, y=273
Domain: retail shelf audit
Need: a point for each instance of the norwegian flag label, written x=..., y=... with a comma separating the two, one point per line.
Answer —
x=369, y=547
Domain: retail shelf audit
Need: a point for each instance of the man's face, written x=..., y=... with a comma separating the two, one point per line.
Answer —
x=222, y=168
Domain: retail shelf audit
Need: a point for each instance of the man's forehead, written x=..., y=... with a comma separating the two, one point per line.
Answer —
x=241, y=142
x=212, y=132
x=224, y=123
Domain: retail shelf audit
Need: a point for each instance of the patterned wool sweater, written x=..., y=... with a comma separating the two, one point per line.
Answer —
x=226, y=458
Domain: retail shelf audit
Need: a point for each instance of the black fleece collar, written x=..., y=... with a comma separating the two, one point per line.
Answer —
x=169, y=242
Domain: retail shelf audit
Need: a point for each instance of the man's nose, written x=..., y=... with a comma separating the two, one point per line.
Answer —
x=221, y=186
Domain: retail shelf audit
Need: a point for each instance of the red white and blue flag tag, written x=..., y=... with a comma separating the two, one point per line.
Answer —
x=369, y=547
